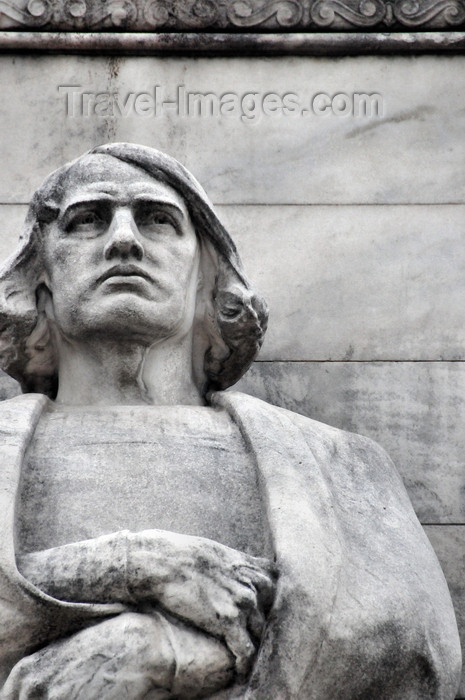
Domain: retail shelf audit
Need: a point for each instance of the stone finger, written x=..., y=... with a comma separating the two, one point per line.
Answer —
x=241, y=647
x=263, y=564
x=262, y=584
x=256, y=623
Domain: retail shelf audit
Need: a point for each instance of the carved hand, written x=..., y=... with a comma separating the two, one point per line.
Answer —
x=145, y=655
x=220, y=590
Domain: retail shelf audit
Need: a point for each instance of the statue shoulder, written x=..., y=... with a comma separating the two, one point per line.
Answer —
x=319, y=436
x=336, y=438
x=347, y=461
x=19, y=416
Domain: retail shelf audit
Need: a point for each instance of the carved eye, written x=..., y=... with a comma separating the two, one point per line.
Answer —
x=159, y=218
x=86, y=223
x=154, y=221
x=90, y=218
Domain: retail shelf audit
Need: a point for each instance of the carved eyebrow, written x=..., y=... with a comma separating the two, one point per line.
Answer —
x=142, y=199
x=82, y=201
x=150, y=200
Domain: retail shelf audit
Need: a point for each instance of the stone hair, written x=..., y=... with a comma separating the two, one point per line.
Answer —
x=235, y=320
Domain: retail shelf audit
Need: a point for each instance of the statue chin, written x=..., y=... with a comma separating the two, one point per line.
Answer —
x=163, y=537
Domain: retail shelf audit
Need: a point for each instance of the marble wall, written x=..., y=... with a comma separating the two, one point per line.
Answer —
x=351, y=225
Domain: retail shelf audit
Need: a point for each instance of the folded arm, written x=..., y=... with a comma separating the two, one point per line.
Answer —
x=132, y=655
x=217, y=589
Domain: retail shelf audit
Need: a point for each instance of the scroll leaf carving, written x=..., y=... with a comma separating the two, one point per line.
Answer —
x=157, y=14
x=121, y=12
x=36, y=14
x=411, y=13
x=160, y=13
x=37, y=8
x=244, y=13
x=230, y=15
x=114, y=13
x=76, y=8
x=205, y=11
x=370, y=12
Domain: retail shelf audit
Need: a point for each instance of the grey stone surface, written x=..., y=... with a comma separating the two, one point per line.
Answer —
x=12, y=221
x=415, y=410
x=9, y=387
x=449, y=544
x=414, y=153
x=128, y=321
x=357, y=283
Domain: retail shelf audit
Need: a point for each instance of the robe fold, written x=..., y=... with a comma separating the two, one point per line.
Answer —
x=362, y=610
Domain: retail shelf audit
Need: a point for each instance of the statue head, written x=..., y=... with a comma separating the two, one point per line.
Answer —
x=126, y=243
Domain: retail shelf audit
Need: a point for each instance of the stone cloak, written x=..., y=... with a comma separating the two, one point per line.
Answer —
x=362, y=610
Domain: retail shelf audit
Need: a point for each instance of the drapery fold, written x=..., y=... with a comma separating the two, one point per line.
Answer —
x=362, y=608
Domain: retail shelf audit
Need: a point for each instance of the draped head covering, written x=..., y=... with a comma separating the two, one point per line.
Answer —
x=235, y=327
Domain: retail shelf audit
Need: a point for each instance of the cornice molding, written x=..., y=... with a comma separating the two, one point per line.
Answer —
x=231, y=15
x=244, y=44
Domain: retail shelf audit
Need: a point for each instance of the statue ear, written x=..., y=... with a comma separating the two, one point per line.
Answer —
x=41, y=364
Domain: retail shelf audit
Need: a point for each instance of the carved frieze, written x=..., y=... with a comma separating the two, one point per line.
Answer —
x=230, y=15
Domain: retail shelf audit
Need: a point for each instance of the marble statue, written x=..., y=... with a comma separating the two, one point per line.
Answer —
x=162, y=537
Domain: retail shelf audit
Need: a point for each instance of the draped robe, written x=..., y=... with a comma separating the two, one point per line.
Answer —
x=362, y=609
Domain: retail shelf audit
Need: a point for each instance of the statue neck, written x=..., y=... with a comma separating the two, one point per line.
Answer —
x=110, y=373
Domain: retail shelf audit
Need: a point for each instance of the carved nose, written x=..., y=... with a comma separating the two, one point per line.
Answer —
x=124, y=239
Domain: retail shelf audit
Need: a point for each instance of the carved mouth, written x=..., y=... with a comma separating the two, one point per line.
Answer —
x=124, y=271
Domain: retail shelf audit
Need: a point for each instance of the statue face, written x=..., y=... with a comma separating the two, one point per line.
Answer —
x=122, y=256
